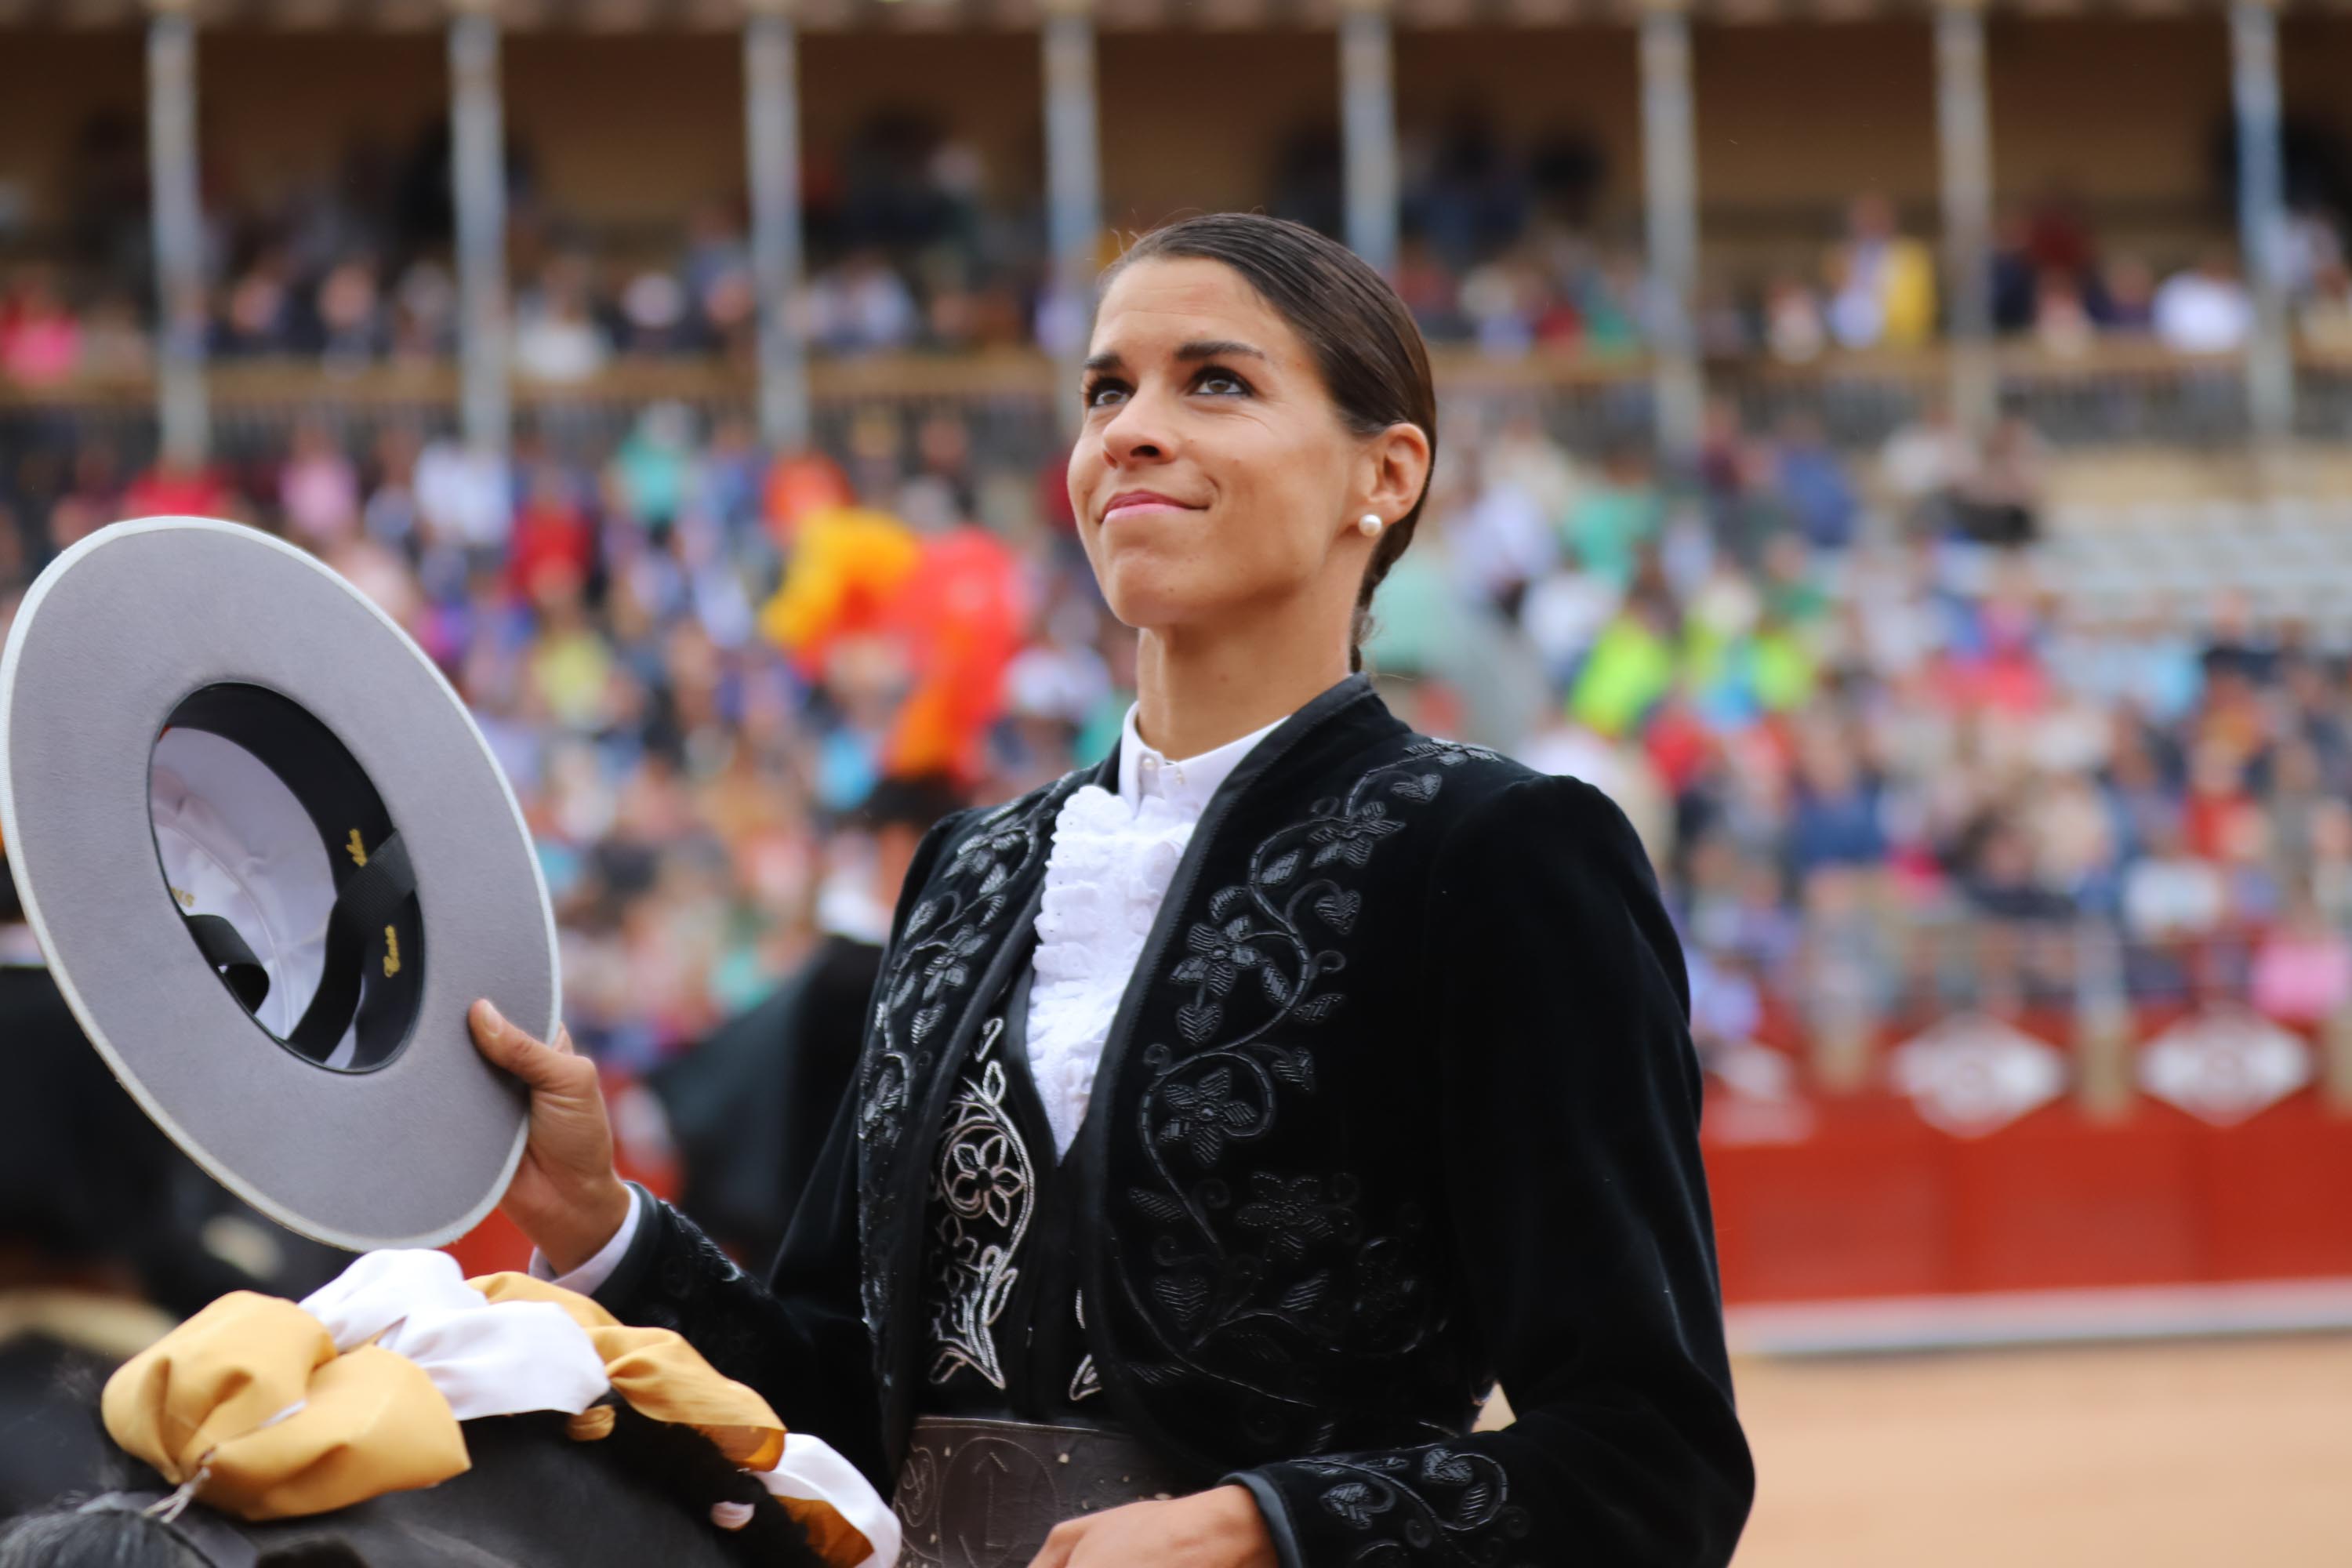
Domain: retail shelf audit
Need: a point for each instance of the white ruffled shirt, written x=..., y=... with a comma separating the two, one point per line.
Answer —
x=1113, y=857
x=1105, y=878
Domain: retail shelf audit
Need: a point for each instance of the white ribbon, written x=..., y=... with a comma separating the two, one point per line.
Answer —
x=812, y=1471
x=485, y=1358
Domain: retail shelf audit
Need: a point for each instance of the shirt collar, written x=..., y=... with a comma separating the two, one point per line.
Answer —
x=1187, y=783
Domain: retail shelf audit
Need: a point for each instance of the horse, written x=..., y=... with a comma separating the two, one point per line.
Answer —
x=107, y=1234
x=533, y=1498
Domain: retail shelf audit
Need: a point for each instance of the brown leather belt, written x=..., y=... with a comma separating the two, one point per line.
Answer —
x=986, y=1494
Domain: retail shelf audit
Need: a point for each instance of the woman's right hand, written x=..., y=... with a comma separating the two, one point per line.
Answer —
x=565, y=1194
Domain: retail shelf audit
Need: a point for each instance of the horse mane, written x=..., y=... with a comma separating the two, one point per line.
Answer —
x=685, y=1466
x=108, y=1540
x=651, y=1460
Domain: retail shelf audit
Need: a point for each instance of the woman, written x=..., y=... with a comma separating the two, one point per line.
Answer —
x=1226, y=1126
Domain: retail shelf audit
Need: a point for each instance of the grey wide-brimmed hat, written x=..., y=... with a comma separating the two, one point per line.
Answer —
x=272, y=862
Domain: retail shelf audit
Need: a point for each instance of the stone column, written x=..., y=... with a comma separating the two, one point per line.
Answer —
x=478, y=182
x=1964, y=141
x=1073, y=183
x=1670, y=188
x=177, y=224
x=771, y=121
x=2261, y=218
x=1368, y=123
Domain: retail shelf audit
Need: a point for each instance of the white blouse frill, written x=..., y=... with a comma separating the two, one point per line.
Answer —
x=1105, y=878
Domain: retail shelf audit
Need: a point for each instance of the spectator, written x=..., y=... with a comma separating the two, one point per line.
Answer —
x=2324, y=313
x=462, y=498
x=2126, y=297
x=350, y=316
x=1609, y=525
x=556, y=336
x=653, y=315
x=1794, y=327
x=319, y=488
x=860, y=306
x=1835, y=821
x=40, y=341
x=1922, y=465
x=2303, y=969
x=1630, y=670
x=2171, y=893
x=259, y=318
x=1815, y=482
x=172, y=488
x=2062, y=325
x=1998, y=500
x=654, y=464
x=554, y=548
x=1883, y=285
x=423, y=313
x=2205, y=310
x=1500, y=540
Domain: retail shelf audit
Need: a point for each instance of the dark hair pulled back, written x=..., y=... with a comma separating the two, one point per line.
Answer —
x=1365, y=344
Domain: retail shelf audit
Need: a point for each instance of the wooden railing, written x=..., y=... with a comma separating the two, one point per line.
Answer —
x=2114, y=391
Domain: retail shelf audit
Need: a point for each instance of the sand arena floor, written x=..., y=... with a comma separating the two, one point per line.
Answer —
x=2207, y=1454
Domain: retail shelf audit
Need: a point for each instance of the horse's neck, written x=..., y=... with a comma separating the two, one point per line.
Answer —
x=531, y=1500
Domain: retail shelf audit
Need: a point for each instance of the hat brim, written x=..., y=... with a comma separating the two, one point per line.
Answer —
x=121, y=629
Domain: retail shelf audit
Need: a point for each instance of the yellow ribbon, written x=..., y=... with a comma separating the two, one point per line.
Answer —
x=660, y=1375
x=250, y=1395
x=346, y=1427
x=663, y=1376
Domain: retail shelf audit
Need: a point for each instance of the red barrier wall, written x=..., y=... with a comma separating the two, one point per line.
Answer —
x=1870, y=1200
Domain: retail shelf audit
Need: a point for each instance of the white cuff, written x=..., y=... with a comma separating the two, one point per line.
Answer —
x=590, y=1277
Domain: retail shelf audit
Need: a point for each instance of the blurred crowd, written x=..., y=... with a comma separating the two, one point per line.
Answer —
x=354, y=270
x=1881, y=769
x=1509, y=248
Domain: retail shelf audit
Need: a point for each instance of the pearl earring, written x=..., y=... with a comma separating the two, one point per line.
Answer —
x=1370, y=525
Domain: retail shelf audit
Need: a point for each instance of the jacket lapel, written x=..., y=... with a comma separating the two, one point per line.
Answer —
x=1264, y=762
x=958, y=950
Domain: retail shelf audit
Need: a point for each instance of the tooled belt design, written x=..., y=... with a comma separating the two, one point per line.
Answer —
x=986, y=1494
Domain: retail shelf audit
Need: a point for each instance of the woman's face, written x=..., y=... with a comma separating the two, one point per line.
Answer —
x=1214, y=480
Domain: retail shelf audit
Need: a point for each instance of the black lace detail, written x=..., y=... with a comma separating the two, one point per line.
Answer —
x=985, y=1191
x=1421, y=1506
x=1288, y=1267
x=934, y=961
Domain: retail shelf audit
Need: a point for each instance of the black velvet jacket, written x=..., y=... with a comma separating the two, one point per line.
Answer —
x=1400, y=1100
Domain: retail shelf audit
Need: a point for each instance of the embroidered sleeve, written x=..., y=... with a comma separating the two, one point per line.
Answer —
x=1569, y=1124
x=796, y=1336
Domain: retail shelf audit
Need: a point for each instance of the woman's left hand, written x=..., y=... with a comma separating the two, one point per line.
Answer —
x=1219, y=1529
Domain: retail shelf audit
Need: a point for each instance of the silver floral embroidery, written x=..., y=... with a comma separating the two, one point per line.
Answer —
x=1084, y=1383
x=1435, y=1505
x=934, y=959
x=984, y=1189
x=1283, y=926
